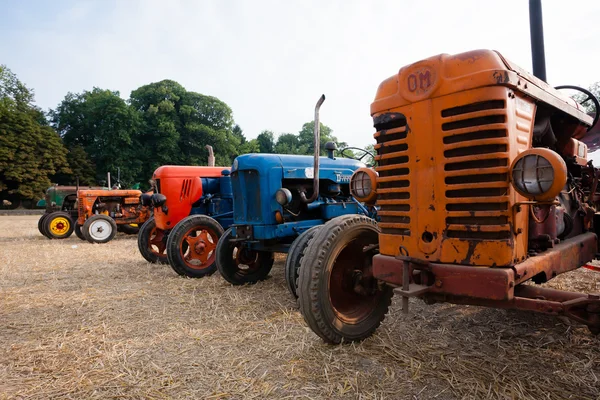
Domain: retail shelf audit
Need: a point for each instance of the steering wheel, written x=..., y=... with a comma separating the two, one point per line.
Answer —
x=365, y=153
x=590, y=96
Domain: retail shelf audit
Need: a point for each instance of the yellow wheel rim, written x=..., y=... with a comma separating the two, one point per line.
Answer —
x=60, y=226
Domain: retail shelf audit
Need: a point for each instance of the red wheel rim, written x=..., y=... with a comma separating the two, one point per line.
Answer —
x=197, y=247
x=246, y=261
x=156, y=242
x=351, y=282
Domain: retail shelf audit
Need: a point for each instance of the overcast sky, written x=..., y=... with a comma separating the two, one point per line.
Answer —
x=271, y=60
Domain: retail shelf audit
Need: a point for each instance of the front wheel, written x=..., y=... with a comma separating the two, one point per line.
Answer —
x=191, y=246
x=152, y=242
x=58, y=225
x=99, y=228
x=292, y=262
x=78, y=232
x=240, y=265
x=41, y=224
x=339, y=298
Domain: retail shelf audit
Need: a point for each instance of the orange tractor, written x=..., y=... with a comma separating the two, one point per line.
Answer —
x=483, y=185
x=102, y=212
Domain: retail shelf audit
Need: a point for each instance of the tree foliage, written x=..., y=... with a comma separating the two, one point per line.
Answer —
x=30, y=151
x=266, y=142
x=178, y=124
x=94, y=132
x=98, y=127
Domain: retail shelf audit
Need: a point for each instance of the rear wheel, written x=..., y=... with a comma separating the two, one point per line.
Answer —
x=292, y=262
x=152, y=242
x=240, y=265
x=339, y=298
x=78, y=232
x=99, y=229
x=58, y=225
x=191, y=246
x=41, y=224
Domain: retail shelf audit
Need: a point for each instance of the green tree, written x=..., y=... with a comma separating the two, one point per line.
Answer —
x=157, y=140
x=83, y=169
x=266, y=141
x=177, y=124
x=100, y=123
x=288, y=143
x=306, y=138
x=30, y=151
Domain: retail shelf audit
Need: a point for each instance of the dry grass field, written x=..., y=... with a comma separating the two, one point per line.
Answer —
x=97, y=321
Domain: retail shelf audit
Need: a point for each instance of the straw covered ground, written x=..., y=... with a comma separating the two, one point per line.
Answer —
x=97, y=321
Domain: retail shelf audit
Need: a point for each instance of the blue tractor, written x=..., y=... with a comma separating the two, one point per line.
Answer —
x=279, y=203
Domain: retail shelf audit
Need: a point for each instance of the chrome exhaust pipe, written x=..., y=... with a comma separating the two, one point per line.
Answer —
x=317, y=132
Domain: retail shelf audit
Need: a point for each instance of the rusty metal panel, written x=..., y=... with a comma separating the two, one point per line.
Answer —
x=566, y=256
x=457, y=280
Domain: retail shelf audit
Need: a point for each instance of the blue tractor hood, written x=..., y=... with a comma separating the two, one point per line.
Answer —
x=338, y=170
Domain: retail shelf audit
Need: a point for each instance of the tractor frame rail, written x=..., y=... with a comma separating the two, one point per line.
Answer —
x=498, y=287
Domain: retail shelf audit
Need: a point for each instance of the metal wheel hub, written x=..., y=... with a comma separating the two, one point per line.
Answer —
x=200, y=247
x=100, y=230
x=156, y=244
x=59, y=226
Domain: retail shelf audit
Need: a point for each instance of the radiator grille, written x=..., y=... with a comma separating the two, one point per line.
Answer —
x=186, y=186
x=476, y=163
x=393, y=182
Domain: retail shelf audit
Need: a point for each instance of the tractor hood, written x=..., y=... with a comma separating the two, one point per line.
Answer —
x=337, y=170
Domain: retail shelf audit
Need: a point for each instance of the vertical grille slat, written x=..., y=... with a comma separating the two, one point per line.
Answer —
x=186, y=188
x=476, y=171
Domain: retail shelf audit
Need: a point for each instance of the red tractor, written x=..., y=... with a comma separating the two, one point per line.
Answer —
x=192, y=206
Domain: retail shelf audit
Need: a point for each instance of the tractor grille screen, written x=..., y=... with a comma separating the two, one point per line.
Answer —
x=247, y=205
x=393, y=182
x=475, y=146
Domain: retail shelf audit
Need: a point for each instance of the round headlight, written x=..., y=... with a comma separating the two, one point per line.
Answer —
x=283, y=196
x=363, y=185
x=538, y=174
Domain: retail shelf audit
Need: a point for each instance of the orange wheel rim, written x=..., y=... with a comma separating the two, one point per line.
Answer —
x=156, y=243
x=197, y=248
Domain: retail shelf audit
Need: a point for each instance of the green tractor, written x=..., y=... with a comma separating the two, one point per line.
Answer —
x=58, y=222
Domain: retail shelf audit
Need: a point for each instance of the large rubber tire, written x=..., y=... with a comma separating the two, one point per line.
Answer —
x=58, y=225
x=128, y=229
x=292, y=262
x=78, y=232
x=331, y=267
x=239, y=265
x=191, y=246
x=152, y=243
x=99, y=228
x=41, y=224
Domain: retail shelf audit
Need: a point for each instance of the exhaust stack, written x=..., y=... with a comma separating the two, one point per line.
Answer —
x=211, y=156
x=317, y=146
x=536, y=30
